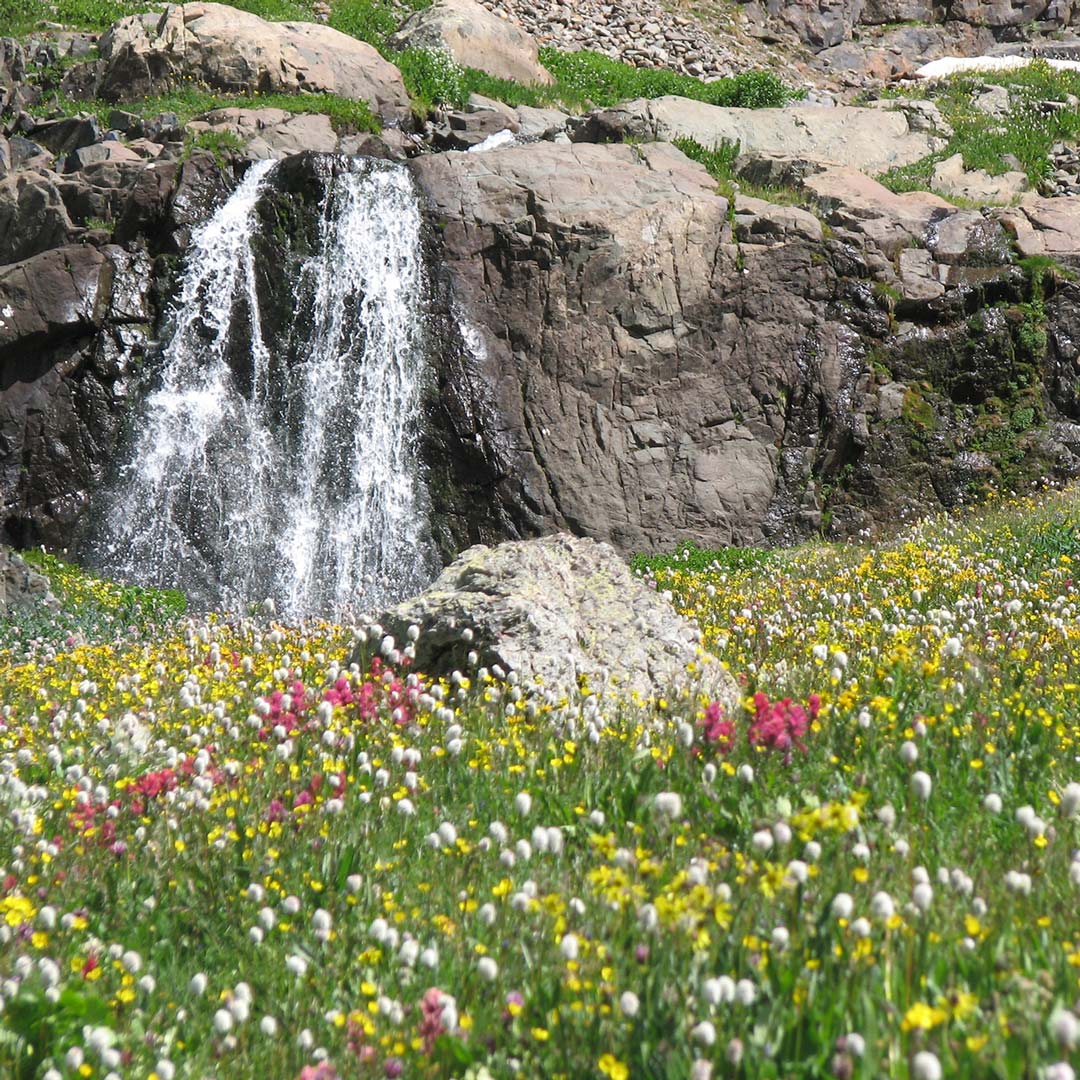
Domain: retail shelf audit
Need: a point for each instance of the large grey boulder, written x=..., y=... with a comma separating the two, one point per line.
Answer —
x=865, y=139
x=553, y=610
x=475, y=38
x=226, y=49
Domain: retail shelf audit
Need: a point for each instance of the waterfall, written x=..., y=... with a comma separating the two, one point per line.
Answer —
x=287, y=468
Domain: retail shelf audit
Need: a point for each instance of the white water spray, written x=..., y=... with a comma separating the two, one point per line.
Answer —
x=295, y=476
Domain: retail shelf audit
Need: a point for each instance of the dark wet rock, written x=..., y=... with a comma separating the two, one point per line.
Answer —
x=74, y=323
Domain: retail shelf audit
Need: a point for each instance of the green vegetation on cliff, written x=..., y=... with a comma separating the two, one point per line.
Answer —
x=1042, y=110
x=345, y=114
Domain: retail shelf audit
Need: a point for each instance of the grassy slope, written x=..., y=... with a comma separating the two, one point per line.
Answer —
x=1026, y=133
x=344, y=906
x=582, y=79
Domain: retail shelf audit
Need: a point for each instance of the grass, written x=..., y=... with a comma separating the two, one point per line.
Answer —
x=700, y=560
x=373, y=21
x=594, y=78
x=370, y=21
x=222, y=144
x=90, y=606
x=345, y=114
x=582, y=79
x=720, y=163
x=232, y=853
x=1027, y=133
x=20, y=17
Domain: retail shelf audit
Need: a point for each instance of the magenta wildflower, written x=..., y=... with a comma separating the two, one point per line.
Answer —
x=718, y=730
x=781, y=725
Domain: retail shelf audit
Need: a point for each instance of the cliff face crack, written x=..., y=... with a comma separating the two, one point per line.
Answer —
x=536, y=450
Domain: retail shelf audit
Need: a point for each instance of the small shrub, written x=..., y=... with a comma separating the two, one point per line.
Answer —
x=276, y=10
x=432, y=77
x=219, y=143
x=917, y=411
x=589, y=77
x=372, y=21
x=365, y=21
x=719, y=161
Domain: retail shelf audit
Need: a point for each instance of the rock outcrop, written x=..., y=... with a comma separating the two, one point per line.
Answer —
x=651, y=366
x=475, y=38
x=226, y=49
x=976, y=185
x=578, y=265
x=557, y=610
x=23, y=590
x=869, y=140
x=270, y=133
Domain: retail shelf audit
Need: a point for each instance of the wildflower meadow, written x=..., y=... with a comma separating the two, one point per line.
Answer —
x=228, y=849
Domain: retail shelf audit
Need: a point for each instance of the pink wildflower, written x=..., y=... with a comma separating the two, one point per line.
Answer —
x=433, y=1009
x=323, y=1071
x=717, y=729
x=781, y=725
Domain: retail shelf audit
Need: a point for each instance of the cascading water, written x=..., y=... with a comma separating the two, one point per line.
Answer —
x=287, y=469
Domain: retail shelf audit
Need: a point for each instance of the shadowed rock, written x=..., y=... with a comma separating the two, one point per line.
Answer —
x=22, y=590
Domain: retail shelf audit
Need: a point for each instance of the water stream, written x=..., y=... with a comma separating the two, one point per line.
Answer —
x=285, y=466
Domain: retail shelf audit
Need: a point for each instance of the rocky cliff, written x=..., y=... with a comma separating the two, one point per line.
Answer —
x=624, y=351
x=666, y=365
